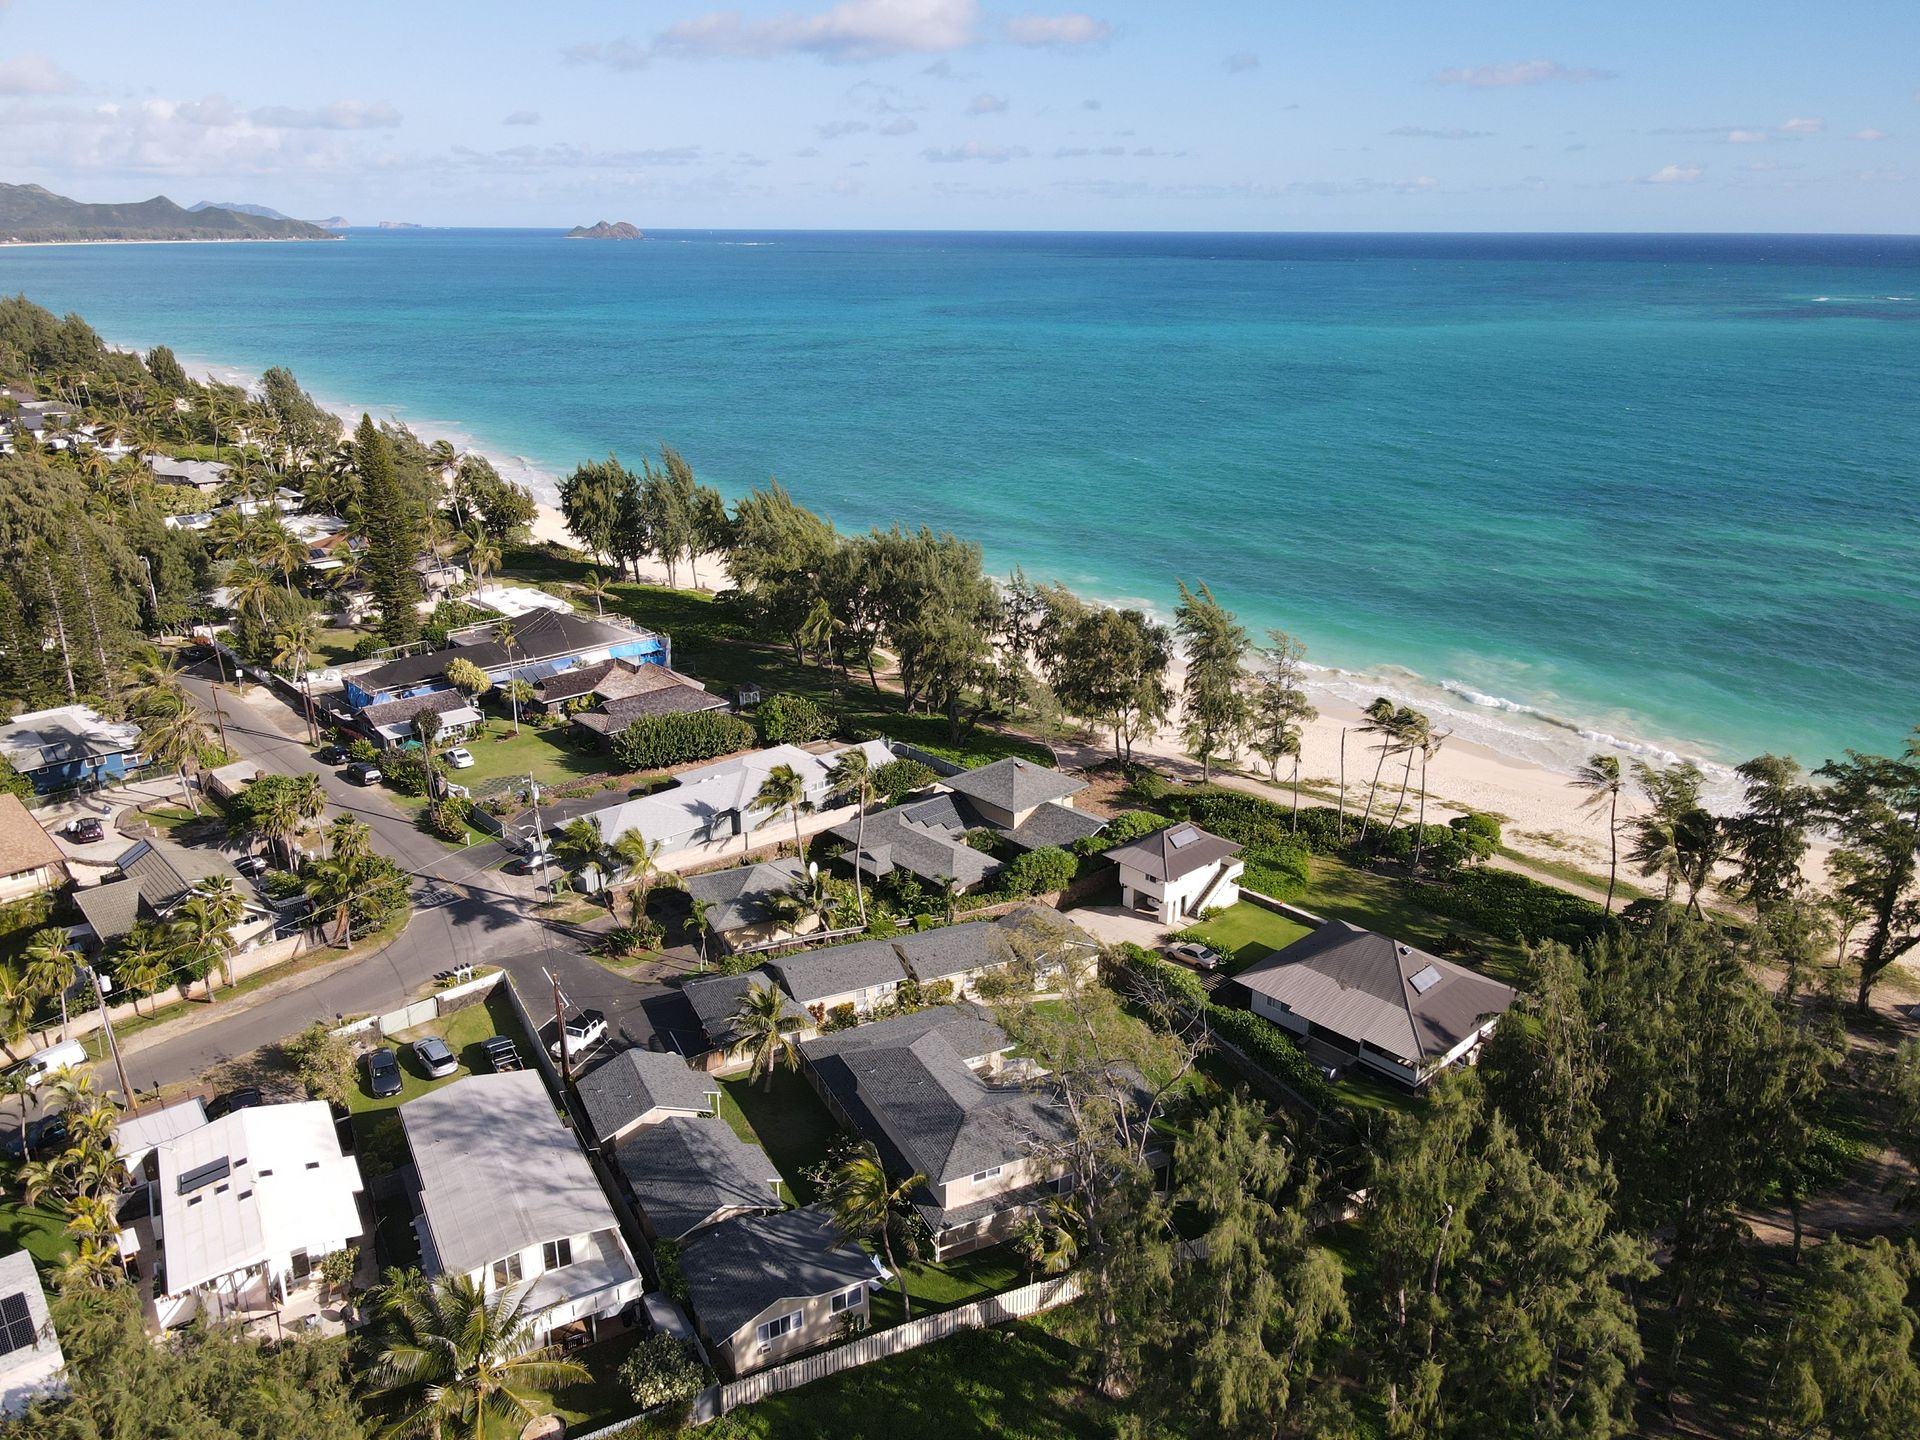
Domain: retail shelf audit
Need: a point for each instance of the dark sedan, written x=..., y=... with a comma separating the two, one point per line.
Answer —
x=383, y=1074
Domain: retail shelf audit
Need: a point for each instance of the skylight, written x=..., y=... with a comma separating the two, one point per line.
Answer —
x=1425, y=980
x=1182, y=837
x=202, y=1176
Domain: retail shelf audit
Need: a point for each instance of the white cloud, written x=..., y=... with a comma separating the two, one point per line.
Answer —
x=1747, y=137
x=1419, y=132
x=974, y=150
x=1089, y=104
x=1058, y=31
x=1675, y=175
x=1242, y=62
x=900, y=125
x=1518, y=72
x=1869, y=134
x=810, y=153
x=854, y=30
x=34, y=75
x=836, y=129
x=340, y=115
x=620, y=54
x=522, y=117
x=987, y=105
x=1803, y=125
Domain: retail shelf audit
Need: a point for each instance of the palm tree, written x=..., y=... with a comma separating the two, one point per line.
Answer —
x=52, y=965
x=483, y=552
x=505, y=635
x=1600, y=777
x=1382, y=720
x=820, y=629
x=1047, y=1237
x=141, y=965
x=1430, y=744
x=597, y=589
x=863, y=1202
x=1701, y=842
x=203, y=921
x=293, y=651
x=278, y=548
x=697, y=915
x=578, y=844
x=783, y=789
x=641, y=859
x=16, y=1010
x=762, y=1023
x=453, y=1358
x=173, y=738
x=249, y=586
x=94, y=1265
x=852, y=779
x=330, y=884
x=1659, y=840
x=1413, y=730
x=808, y=897
x=349, y=839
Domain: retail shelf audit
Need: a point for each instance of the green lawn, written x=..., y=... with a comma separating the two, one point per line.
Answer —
x=336, y=646
x=1392, y=907
x=789, y=1122
x=1015, y=1382
x=38, y=1230
x=553, y=757
x=942, y=1287
x=1246, y=933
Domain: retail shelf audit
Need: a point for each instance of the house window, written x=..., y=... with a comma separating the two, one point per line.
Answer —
x=781, y=1325
x=556, y=1253
x=507, y=1271
x=848, y=1299
x=301, y=1264
x=980, y=1175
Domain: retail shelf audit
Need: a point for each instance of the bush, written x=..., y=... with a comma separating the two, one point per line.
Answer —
x=1514, y=907
x=1148, y=788
x=447, y=818
x=840, y=1017
x=790, y=720
x=936, y=992
x=985, y=841
x=1443, y=851
x=655, y=742
x=1130, y=825
x=660, y=1371
x=1039, y=872
x=406, y=771
x=897, y=779
x=673, y=1279
x=323, y=1061
x=1280, y=871
x=1269, y=1047
x=1158, y=974
x=368, y=646
x=363, y=751
x=1481, y=832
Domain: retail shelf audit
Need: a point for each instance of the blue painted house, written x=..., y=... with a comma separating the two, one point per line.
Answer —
x=545, y=643
x=70, y=746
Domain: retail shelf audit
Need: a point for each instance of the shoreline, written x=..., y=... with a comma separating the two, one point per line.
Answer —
x=1540, y=810
x=186, y=240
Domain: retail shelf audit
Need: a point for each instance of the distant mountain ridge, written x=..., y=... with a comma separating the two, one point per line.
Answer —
x=34, y=213
x=606, y=230
x=264, y=212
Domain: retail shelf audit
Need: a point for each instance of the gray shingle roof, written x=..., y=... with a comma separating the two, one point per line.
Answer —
x=1054, y=824
x=908, y=1089
x=837, y=969
x=165, y=872
x=1014, y=785
x=628, y=1084
x=1361, y=985
x=112, y=909
x=1173, y=851
x=498, y=1171
x=954, y=950
x=739, y=1268
x=685, y=1171
x=716, y=998
x=744, y=895
x=924, y=838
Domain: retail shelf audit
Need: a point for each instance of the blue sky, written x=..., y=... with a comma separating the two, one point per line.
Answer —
x=1125, y=114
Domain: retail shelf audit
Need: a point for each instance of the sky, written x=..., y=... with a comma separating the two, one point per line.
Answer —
x=1405, y=115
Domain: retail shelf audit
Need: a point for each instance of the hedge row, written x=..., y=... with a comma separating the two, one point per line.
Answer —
x=655, y=742
x=1517, y=908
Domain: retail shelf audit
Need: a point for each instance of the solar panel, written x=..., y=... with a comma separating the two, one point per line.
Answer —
x=203, y=1175
x=16, y=1323
x=1183, y=837
x=1425, y=980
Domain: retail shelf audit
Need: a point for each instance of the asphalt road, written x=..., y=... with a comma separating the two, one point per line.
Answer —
x=467, y=912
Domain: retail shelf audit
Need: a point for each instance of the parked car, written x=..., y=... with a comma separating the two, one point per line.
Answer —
x=332, y=755
x=364, y=772
x=436, y=1057
x=501, y=1054
x=383, y=1073
x=251, y=865
x=85, y=831
x=1193, y=953
x=583, y=1032
x=460, y=758
x=244, y=1098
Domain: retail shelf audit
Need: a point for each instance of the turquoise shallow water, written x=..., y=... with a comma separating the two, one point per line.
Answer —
x=1657, y=488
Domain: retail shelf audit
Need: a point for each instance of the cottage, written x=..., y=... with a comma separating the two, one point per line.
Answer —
x=391, y=725
x=1364, y=996
x=1032, y=804
x=964, y=956
x=687, y=1173
x=68, y=747
x=30, y=1359
x=765, y=1288
x=716, y=999
x=925, y=1088
x=244, y=1208
x=611, y=695
x=29, y=860
x=861, y=977
x=633, y=1089
x=749, y=904
x=1178, y=873
x=206, y=476
x=508, y=1199
x=544, y=643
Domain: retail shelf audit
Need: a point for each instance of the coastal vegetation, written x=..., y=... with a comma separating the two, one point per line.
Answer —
x=32, y=214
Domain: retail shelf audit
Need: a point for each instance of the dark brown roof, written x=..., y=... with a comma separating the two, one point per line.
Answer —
x=1173, y=851
x=23, y=844
x=544, y=635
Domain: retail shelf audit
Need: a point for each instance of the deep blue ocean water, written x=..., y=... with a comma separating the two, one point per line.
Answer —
x=1660, y=488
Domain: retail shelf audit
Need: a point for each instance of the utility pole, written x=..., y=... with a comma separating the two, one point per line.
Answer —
x=219, y=717
x=539, y=835
x=313, y=732
x=560, y=1024
x=113, y=1043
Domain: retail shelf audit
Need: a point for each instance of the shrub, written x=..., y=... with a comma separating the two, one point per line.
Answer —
x=363, y=751
x=1039, y=872
x=936, y=992
x=1280, y=871
x=1148, y=788
x=1481, y=832
x=985, y=841
x=1514, y=907
x=673, y=1279
x=660, y=1371
x=447, y=817
x=323, y=1061
x=1269, y=1047
x=368, y=646
x=406, y=771
x=897, y=779
x=1130, y=825
x=840, y=1017
x=655, y=742
x=1443, y=851
x=1158, y=974
x=467, y=677
x=790, y=720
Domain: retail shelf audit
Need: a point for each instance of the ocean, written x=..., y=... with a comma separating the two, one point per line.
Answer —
x=1562, y=491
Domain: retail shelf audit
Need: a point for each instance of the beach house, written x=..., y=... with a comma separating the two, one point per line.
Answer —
x=1354, y=996
x=154, y=878
x=205, y=476
x=543, y=643
x=1178, y=873
x=633, y=1089
x=767, y=1287
x=69, y=747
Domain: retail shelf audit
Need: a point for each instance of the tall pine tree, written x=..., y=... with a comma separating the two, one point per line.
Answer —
x=392, y=524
